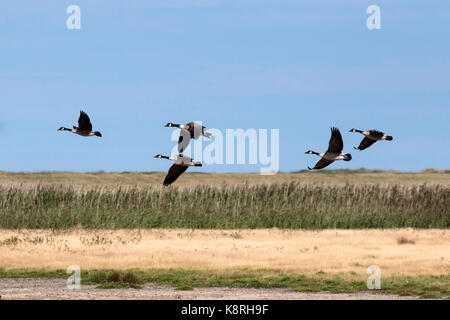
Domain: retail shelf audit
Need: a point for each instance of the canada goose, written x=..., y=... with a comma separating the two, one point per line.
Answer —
x=84, y=127
x=191, y=130
x=371, y=136
x=180, y=165
x=333, y=153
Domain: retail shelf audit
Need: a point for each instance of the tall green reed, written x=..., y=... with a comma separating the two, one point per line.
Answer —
x=263, y=206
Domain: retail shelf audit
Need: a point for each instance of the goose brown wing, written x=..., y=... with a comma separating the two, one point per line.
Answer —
x=174, y=172
x=365, y=143
x=191, y=126
x=322, y=163
x=376, y=133
x=195, y=129
x=336, y=144
x=84, y=123
x=183, y=140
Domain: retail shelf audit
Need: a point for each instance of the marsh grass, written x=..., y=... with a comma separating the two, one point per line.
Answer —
x=288, y=205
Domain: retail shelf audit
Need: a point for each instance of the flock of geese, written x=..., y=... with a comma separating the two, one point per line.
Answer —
x=336, y=145
x=193, y=130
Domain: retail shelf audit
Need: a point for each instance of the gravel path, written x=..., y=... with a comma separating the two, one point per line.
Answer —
x=55, y=288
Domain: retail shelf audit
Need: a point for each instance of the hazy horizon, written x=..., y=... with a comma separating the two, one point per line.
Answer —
x=431, y=170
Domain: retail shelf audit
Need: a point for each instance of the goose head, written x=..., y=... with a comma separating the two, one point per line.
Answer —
x=352, y=130
x=158, y=156
x=309, y=152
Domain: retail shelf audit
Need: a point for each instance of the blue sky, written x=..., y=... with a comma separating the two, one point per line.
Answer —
x=297, y=66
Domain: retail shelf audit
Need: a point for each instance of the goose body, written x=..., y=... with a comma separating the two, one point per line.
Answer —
x=84, y=127
x=333, y=153
x=370, y=137
x=191, y=130
x=180, y=165
x=333, y=156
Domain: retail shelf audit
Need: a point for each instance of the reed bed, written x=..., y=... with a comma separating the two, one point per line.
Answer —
x=288, y=205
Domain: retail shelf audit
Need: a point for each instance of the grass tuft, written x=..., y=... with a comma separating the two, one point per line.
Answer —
x=114, y=276
x=404, y=240
x=113, y=279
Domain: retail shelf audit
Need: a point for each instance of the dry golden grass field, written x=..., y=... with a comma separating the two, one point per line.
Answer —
x=404, y=251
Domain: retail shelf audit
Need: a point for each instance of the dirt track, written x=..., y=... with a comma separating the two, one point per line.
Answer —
x=55, y=288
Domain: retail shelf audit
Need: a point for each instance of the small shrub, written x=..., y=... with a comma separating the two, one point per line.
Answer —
x=114, y=276
x=130, y=278
x=404, y=240
x=97, y=276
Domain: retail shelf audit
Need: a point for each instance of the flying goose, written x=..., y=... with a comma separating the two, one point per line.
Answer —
x=180, y=165
x=191, y=130
x=371, y=136
x=333, y=153
x=84, y=127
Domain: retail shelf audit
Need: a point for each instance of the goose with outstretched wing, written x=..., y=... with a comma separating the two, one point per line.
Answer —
x=84, y=127
x=334, y=152
x=370, y=137
x=191, y=130
x=180, y=165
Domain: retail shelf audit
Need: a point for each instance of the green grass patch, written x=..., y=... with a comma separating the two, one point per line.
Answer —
x=113, y=279
x=424, y=286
